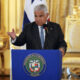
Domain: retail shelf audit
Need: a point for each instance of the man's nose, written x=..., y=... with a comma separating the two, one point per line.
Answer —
x=38, y=19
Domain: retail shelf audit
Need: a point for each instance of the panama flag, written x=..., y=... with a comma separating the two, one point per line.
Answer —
x=29, y=10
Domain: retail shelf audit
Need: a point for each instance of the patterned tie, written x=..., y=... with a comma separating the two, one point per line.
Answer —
x=42, y=37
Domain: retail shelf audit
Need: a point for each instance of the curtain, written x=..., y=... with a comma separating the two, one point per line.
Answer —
x=12, y=13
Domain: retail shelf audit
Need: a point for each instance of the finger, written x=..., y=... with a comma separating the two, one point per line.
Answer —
x=8, y=33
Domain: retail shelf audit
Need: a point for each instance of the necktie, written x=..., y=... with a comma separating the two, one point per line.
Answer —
x=42, y=37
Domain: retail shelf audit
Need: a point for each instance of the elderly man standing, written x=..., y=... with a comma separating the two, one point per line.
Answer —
x=40, y=34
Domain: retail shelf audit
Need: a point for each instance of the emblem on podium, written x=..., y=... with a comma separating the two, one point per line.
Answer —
x=34, y=64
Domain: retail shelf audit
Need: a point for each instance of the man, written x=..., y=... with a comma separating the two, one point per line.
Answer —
x=40, y=34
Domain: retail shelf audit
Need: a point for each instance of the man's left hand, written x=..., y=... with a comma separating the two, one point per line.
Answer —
x=62, y=51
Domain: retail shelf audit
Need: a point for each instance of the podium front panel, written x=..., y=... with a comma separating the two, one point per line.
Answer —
x=36, y=64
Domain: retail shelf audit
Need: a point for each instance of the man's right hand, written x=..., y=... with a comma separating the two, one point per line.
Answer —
x=12, y=34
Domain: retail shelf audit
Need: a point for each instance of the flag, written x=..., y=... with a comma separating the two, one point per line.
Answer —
x=29, y=10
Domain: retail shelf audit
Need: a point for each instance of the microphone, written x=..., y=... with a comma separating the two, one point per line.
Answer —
x=45, y=26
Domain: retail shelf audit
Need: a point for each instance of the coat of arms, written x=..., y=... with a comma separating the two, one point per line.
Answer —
x=34, y=64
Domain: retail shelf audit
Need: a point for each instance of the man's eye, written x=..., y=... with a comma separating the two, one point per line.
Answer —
x=41, y=16
x=35, y=16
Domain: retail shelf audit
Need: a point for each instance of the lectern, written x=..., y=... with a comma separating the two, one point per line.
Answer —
x=36, y=64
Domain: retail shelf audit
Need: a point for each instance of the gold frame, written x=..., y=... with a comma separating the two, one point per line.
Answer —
x=70, y=22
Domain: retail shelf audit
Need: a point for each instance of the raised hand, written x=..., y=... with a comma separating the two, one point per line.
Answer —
x=12, y=34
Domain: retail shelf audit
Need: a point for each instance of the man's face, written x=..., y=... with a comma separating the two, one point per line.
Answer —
x=40, y=17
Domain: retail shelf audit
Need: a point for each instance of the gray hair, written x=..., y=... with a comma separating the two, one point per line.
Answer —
x=41, y=7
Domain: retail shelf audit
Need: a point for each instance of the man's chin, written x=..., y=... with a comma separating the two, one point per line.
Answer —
x=39, y=24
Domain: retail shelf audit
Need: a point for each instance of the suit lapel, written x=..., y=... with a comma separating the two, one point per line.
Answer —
x=47, y=37
x=46, y=40
x=35, y=33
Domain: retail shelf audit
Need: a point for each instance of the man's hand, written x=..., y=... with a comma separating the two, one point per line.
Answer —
x=12, y=34
x=62, y=50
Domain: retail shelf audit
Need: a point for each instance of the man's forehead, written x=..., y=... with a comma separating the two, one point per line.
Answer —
x=40, y=11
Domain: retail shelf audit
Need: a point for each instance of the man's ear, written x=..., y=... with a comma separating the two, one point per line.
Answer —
x=47, y=14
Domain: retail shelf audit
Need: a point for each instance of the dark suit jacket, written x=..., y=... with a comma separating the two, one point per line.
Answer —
x=54, y=38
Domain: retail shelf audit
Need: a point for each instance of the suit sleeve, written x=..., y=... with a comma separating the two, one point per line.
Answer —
x=62, y=43
x=21, y=39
